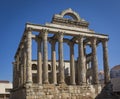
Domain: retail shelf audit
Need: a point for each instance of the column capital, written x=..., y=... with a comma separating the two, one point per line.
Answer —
x=52, y=42
x=104, y=41
x=70, y=43
x=79, y=37
x=44, y=33
x=60, y=36
x=93, y=39
x=29, y=29
x=38, y=39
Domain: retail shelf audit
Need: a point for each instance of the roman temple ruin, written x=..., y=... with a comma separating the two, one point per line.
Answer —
x=46, y=78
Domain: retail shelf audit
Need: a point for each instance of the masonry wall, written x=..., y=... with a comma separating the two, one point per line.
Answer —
x=56, y=92
x=18, y=94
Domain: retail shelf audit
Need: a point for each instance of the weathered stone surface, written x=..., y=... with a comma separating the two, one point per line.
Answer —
x=39, y=82
x=48, y=91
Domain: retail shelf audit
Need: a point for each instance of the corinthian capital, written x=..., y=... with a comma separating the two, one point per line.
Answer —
x=44, y=33
x=70, y=43
x=93, y=41
x=60, y=36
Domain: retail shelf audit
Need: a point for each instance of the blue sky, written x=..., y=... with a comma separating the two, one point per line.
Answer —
x=103, y=16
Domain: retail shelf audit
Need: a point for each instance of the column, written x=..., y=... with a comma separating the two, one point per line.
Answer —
x=21, y=65
x=19, y=68
x=39, y=61
x=17, y=71
x=72, y=63
x=24, y=64
x=14, y=73
x=105, y=62
x=61, y=62
x=45, y=57
x=94, y=61
x=53, y=61
x=29, y=57
x=24, y=61
x=81, y=61
x=21, y=76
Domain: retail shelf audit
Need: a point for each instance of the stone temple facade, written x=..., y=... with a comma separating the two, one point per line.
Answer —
x=32, y=79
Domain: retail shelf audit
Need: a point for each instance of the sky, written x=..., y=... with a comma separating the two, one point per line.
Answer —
x=103, y=16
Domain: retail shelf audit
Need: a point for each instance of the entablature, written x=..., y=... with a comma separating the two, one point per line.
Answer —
x=65, y=31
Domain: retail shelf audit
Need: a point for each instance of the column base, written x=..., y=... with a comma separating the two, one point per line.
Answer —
x=62, y=82
x=55, y=83
x=95, y=83
x=82, y=83
x=40, y=84
x=28, y=84
x=73, y=83
x=46, y=82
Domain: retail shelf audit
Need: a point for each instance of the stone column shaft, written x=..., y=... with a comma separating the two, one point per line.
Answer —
x=72, y=64
x=61, y=61
x=39, y=61
x=14, y=73
x=94, y=61
x=24, y=65
x=21, y=76
x=17, y=69
x=81, y=59
x=53, y=57
x=29, y=57
x=45, y=57
x=105, y=61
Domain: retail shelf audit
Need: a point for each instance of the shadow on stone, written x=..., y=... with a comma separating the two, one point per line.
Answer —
x=107, y=93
